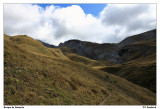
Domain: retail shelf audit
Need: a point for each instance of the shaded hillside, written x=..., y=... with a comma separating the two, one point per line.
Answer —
x=94, y=50
x=135, y=57
x=140, y=66
x=107, y=51
x=37, y=75
x=71, y=54
x=139, y=37
x=137, y=50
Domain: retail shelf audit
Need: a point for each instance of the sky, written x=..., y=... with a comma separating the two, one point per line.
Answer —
x=101, y=23
x=93, y=9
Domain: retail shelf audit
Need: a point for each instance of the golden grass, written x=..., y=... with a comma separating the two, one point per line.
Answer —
x=36, y=75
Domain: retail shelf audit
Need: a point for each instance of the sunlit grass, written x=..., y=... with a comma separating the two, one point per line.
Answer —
x=37, y=75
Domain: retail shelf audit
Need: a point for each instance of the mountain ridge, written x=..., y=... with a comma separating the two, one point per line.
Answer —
x=107, y=51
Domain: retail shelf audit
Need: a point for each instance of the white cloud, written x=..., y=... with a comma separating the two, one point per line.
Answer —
x=56, y=24
x=129, y=19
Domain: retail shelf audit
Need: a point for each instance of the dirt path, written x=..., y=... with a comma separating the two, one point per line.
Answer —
x=105, y=99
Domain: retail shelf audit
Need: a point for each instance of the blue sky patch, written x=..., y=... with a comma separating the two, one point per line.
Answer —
x=93, y=9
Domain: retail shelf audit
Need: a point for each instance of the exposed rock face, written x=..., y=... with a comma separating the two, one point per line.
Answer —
x=94, y=50
x=107, y=51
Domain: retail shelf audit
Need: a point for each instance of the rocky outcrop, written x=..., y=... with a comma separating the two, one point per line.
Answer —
x=107, y=51
x=94, y=50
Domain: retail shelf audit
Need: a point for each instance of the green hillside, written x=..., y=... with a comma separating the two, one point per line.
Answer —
x=37, y=75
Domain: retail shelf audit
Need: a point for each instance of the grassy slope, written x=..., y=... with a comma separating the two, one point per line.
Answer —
x=36, y=75
x=142, y=70
x=139, y=49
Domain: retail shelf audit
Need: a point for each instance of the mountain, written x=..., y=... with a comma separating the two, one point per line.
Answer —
x=37, y=75
x=134, y=58
x=94, y=50
x=107, y=51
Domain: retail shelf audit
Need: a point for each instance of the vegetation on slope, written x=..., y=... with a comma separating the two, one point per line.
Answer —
x=37, y=75
x=113, y=52
x=140, y=66
x=138, y=55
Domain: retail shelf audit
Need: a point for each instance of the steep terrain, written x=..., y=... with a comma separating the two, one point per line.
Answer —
x=107, y=51
x=140, y=66
x=94, y=50
x=37, y=75
x=134, y=58
x=138, y=38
